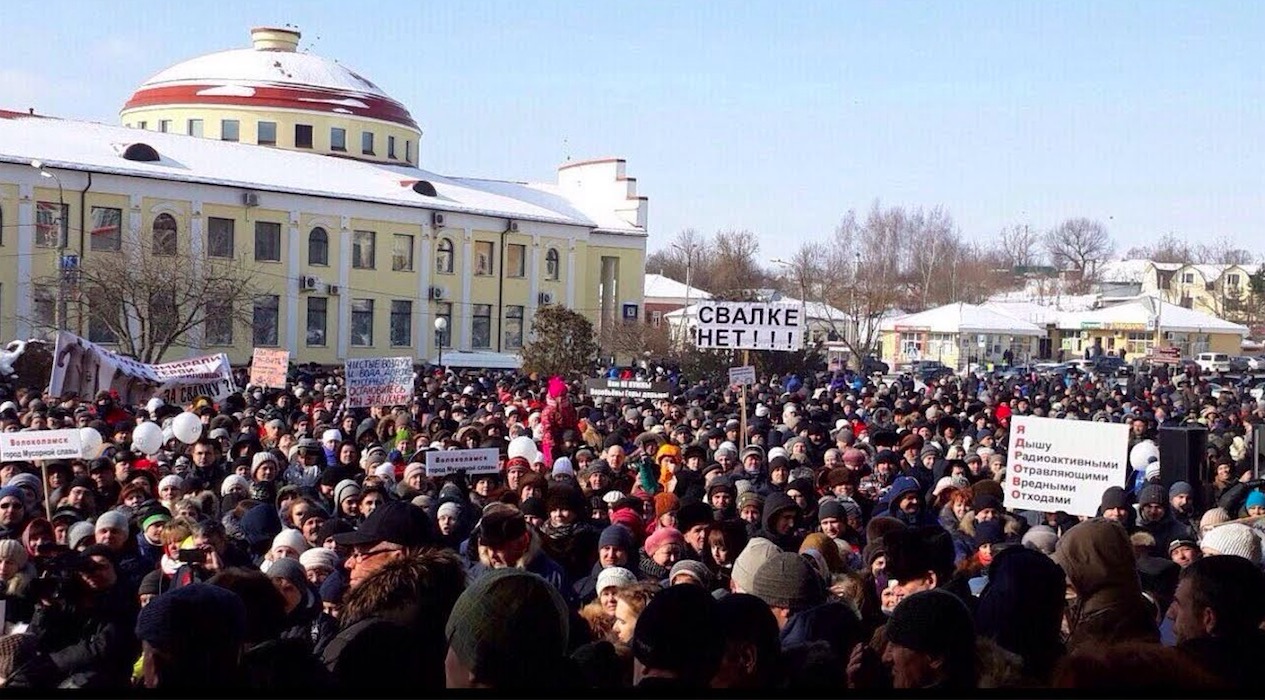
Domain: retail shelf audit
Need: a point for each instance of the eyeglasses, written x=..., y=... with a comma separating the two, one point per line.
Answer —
x=356, y=554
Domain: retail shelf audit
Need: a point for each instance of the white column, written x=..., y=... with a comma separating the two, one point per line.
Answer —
x=467, y=273
x=132, y=249
x=533, y=294
x=197, y=335
x=24, y=293
x=423, y=333
x=292, y=285
x=571, y=275
x=343, y=317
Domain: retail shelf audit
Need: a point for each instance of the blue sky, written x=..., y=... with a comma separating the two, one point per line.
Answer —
x=772, y=116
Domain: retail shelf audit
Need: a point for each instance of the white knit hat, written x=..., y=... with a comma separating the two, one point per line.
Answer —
x=1234, y=539
x=233, y=480
x=171, y=480
x=319, y=557
x=291, y=538
x=614, y=576
x=562, y=465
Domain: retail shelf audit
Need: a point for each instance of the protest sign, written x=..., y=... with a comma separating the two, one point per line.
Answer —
x=379, y=381
x=741, y=325
x=268, y=367
x=83, y=368
x=1064, y=464
x=40, y=444
x=741, y=376
x=477, y=461
x=628, y=389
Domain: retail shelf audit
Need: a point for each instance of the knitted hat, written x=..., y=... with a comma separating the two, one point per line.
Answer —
x=679, y=631
x=289, y=570
x=171, y=480
x=151, y=583
x=1234, y=539
x=933, y=622
x=78, y=533
x=12, y=550
x=1213, y=517
x=662, y=536
x=787, y=580
x=160, y=517
x=753, y=556
x=1114, y=497
x=414, y=468
x=1042, y=538
x=333, y=587
x=185, y=620
x=1255, y=498
x=850, y=507
x=290, y=538
x=319, y=557
x=507, y=626
x=344, y=490
x=562, y=466
x=990, y=532
x=111, y=519
x=750, y=498
x=231, y=481
x=853, y=457
x=614, y=576
x=1153, y=494
x=1180, y=488
x=695, y=513
x=617, y=536
x=694, y=569
x=449, y=508
x=665, y=502
x=831, y=508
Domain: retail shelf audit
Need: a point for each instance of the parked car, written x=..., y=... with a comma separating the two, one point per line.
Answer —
x=1213, y=361
x=1111, y=366
x=871, y=365
x=1239, y=364
x=927, y=370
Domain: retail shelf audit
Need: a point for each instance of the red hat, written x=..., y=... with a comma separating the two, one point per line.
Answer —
x=662, y=536
x=630, y=519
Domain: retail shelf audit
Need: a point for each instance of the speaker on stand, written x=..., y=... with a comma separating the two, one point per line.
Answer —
x=1183, y=458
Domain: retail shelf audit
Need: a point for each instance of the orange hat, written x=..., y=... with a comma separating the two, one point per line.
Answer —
x=665, y=502
x=668, y=451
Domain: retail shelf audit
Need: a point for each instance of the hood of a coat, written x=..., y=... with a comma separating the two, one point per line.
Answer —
x=1097, y=557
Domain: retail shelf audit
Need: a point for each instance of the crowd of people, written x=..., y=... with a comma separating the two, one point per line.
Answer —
x=854, y=537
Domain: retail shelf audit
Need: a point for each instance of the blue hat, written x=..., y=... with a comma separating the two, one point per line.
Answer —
x=1255, y=498
x=617, y=536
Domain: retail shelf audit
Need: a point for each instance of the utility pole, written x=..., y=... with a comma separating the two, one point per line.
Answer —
x=689, y=266
x=59, y=304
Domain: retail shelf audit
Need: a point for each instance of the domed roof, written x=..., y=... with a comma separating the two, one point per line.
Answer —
x=271, y=74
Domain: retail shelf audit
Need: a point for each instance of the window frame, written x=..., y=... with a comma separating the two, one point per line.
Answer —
x=311, y=136
x=324, y=322
x=553, y=264
x=209, y=317
x=366, y=139
x=264, y=301
x=334, y=143
x=164, y=125
x=98, y=243
x=443, y=309
x=512, y=270
x=189, y=127
x=155, y=230
x=96, y=334
x=480, y=256
x=353, y=317
x=445, y=249
x=232, y=236
x=237, y=130
x=357, y=250
x=407, y=265
x=391, y=147
x=265, y=228
x=42, y=229
x=407, y=316
x=324, y=262
x=480, y=314
x=514, y=317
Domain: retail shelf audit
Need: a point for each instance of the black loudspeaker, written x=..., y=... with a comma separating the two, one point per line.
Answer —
x=1182, y=455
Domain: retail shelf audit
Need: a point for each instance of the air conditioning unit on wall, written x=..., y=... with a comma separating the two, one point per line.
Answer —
x=308, y=282
x=250, y=199
x=545, y=298
x=437, y=218
x=437, y=293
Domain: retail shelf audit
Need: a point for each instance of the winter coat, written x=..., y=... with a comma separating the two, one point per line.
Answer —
x=95, y=645
x=1233, y=659
x=1021, y=608
x=535, y=560
x=310, y=623
x=902, y=486
x=1165, y=531
x=778, y=502
x=1098, y=559
x=572, y=546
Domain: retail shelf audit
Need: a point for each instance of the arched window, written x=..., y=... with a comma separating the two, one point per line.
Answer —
x=164, y=234
x=318, y=247
x=551, y=264
x=443, y=256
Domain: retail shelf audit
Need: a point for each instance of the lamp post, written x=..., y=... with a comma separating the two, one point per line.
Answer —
x=803, y=310
x=689, y=266
x=441, y=326
x=61, y=242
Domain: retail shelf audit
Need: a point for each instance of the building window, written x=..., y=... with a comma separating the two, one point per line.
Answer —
x=337, y=139
x=362, y=323
x=103, y=318
x=267, y=134
x=408, y=151
x=1188, y=278
x=401, y=323
x=164, y=234
x=268, y=241
x=551, y=264
x=656, y=318
x=1232, y=280
x=443, y=309
x=317, y=316
x=266, y=319
x=107, y=229
x=142, y=125
x=513, y=327
x=49, y=218
x=362, y=250
x=164, y=125
x=302, y=135
x=230, y=130
x=366, y=142
x=219, y=237
x=483, y=251
x=402, y=253
x=219, y=323
x=516, y=260
x=443, y=256
x=391, y=147
x=162, y=318
x=195, y=127
x=481, y=327
x=318, y=247
x=45, y=307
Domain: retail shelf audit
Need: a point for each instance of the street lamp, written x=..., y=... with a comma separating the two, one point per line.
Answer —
x=441, y=325
x=803, y=311
x=61, y=240
x=689, y=264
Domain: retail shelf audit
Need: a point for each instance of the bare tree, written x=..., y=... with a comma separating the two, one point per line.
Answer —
x=1222, y=251
x=671, y=262
x=734, y=267
x=1020, y=246
x=1080, y=245
x=1168, y=249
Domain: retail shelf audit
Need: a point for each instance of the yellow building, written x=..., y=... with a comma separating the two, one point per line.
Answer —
x=1219, y=290
x=309, y=173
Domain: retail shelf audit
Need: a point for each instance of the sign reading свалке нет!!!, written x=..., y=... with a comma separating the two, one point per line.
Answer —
x=1065, y=465
x=743, y=325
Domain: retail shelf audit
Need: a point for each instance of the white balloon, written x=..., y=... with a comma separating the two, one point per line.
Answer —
x=1143, y=454
x=91, y=441
x=147, y=437
x=188, y=427
x=523, y=446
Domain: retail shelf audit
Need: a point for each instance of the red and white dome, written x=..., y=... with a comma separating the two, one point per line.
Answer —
x=270, y=75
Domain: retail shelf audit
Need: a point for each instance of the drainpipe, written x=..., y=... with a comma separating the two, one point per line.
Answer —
x=500, y=291
x=83, y=225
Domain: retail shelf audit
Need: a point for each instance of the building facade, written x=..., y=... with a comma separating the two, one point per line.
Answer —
x=308, y=174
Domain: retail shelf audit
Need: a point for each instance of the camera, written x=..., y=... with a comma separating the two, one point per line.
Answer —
x=191, y=556
x=59, y=568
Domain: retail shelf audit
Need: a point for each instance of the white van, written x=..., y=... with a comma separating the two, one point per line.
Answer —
x=1213, y=361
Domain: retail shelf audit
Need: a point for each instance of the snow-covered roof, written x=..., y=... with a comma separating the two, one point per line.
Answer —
x=964, y=318
x=1123, y=270
x=1032, y=312
x=75, y=145
x=481, y=359
x=549, y=196
x=660, y=287
x=1139, y=313
x=251, y=67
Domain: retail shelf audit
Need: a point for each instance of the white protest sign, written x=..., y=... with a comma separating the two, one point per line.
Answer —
x=478, y=461
x=379, y=381
x=40, y=444
x=741, y=375
x=743, y=325
x=83, y=368
x=1065, y=465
